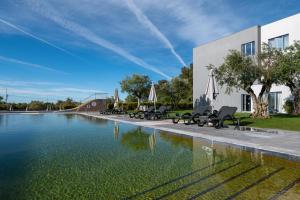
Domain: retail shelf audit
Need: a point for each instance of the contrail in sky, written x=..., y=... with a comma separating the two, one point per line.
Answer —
x=34, y=36
x=144, y=20
x=92, y=37
x=12, y=60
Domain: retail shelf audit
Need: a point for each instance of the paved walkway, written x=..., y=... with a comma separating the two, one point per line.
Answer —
x=286, y=143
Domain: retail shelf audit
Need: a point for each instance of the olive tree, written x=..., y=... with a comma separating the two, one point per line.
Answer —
x=289, y=73
x=242, y=72
x=137, y=86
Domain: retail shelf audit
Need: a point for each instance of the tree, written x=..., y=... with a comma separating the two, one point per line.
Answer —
x=187, y=76
x=67, y=104
x=137, y=86
x=289, y=73
x=241, y=72
x=130, y=98
x=180, y=88
x=1, y=99
x=164, y=91
x=187, y=73
x=37, y=105
x=180, y=91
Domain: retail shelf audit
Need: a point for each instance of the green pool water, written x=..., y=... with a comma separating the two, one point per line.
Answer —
x=56, y=156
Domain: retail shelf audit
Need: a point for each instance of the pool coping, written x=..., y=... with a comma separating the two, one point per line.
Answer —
x=286, y=153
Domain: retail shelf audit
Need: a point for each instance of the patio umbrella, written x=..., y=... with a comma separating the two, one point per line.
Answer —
x=211, y=90
x=152, y=96
x=116, y=98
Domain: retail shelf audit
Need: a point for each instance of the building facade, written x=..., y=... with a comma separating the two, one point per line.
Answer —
x=279, y=34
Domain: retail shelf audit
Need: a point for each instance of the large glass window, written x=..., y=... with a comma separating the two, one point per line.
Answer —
x=246, y=102
x=280, y=42
x=274, y=102
x=248, y=49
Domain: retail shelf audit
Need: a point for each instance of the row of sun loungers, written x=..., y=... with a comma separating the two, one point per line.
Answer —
x=201, y=115
x=113, y=111
x=151, y=113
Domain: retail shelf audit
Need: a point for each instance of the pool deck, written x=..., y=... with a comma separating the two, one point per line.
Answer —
x=285, y=143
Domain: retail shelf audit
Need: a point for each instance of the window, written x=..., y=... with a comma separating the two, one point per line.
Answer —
x=248, y=49
x=274, y=99
x=246, y=102
x=280, y=42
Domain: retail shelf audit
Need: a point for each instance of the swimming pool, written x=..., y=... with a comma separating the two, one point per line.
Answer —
x=57, y=156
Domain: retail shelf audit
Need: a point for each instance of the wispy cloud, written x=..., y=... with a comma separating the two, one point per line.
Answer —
x=12, y=60
x=76, y=90
x=92, y=37
x=34, y=36
x=144, y=20
x=24, y=94
x=200, y=23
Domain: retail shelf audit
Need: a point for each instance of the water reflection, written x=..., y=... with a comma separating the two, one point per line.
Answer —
x=177, y=140
x=116, y=131
x=69, y=117
x=152, y=141
x=91, y=165
x=136, y=139
x=97, y=121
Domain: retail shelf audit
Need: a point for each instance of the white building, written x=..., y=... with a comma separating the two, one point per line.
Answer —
x=279, y=34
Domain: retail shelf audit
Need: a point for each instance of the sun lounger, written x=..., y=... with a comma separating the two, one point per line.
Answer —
x=161, y=113
x=140, y=113
x=217, y=118
x=188, y=118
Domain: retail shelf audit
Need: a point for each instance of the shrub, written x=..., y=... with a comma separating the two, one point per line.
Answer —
x=184, y=106
x=109, y=105
x=289, y=106
x=129, y=105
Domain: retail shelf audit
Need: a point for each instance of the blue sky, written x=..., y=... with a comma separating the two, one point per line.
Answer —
x=55, y=49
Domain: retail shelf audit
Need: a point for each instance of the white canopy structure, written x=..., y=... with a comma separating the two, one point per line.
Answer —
x=152, y=96
x=211, y=91
x=116, y=98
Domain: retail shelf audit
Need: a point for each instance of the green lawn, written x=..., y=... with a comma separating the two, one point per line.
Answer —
x=280, y=121
x=173, y=113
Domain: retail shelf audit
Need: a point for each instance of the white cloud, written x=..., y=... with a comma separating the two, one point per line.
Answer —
x=144, y=20
x=12, y=60
x=50, y=13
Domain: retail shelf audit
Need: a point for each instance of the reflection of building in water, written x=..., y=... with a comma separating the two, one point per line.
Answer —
x=208, y=152
x=204, y=153
x=116, y=131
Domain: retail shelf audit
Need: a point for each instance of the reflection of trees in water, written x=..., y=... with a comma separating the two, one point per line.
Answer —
x=93, y=120
x=2, y=120
x=69, y=117
x=136, y=139
x=177, y=140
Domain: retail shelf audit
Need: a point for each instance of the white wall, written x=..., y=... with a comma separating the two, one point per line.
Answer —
x=214, y=53
x=285, y=94
x=289, y=25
